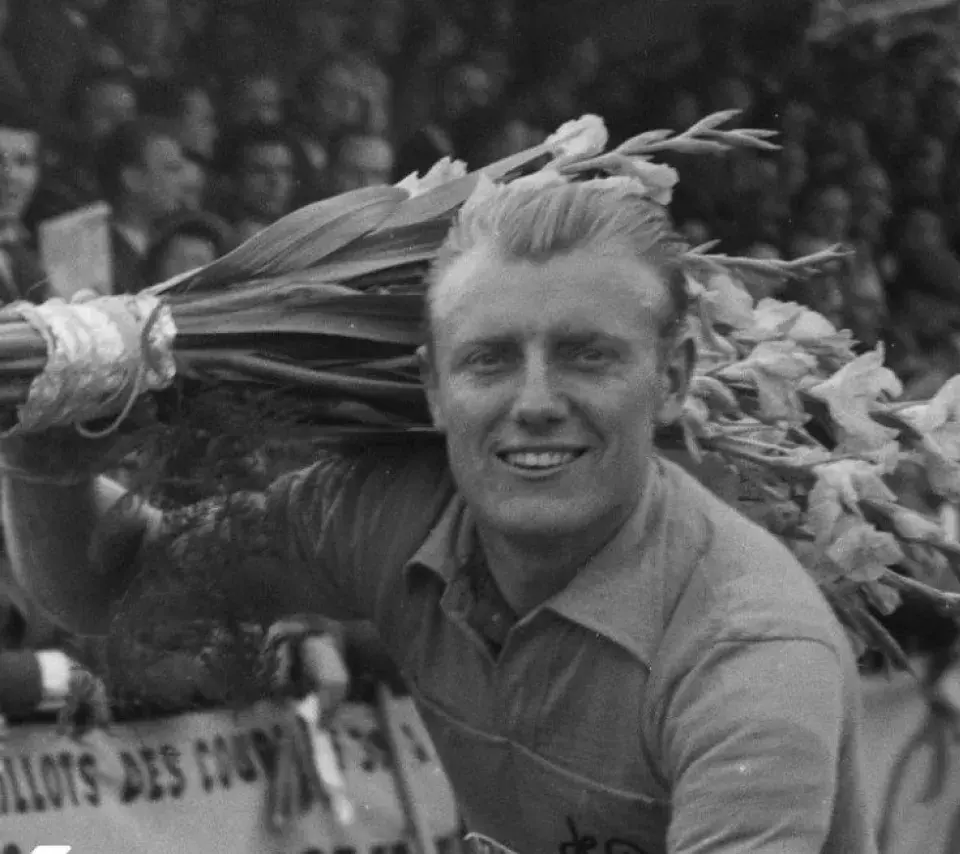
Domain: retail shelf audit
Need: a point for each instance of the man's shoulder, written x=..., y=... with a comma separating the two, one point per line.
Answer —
x=742, y=583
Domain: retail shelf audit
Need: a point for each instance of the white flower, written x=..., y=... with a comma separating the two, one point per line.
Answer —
x=657, y=179
x=583, y=137
x=773, y=317
x=442, y=172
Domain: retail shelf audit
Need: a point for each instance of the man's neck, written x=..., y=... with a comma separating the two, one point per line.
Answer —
x=531, y=570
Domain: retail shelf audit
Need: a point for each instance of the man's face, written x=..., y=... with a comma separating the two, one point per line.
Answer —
x=363, y=163
x=108, y=105
x=161, y=177
x=19, y=170
x=546, y=380
x=266, y=185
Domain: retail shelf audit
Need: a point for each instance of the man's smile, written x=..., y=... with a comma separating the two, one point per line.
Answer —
x=540, y=460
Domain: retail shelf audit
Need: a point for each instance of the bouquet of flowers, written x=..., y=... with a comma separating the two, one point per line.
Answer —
x=310, y=330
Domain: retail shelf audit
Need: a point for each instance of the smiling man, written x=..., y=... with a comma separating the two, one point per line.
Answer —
x=607, y=657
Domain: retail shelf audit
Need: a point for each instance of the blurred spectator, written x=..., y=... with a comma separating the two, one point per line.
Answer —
x=922, y=173
x=260, y=163
x=940, y=114
x=51, y=40
x=97, y=103
x=360, y=161
x=21, y=274
x=188, y=107
x=12, y=85
x=193, y=185
x=331, y=100
x=185, y=243
x=237, y=40
x=141, y=173
x=255, y=96
x=142, y=29
x=826, y=213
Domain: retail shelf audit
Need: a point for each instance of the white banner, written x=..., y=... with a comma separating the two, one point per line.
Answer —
x=201, y=783
x=77, y=252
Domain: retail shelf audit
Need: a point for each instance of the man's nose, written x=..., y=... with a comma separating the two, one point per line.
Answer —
x=538, y=402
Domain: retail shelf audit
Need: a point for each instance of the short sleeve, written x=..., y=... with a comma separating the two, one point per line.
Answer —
x=752, y=743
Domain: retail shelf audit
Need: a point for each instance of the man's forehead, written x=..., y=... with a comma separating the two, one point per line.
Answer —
x=483, y=282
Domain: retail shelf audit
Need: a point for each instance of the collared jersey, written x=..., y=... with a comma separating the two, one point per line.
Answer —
x=689, y=692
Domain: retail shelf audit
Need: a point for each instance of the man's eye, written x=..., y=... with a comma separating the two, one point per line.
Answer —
x=485, y=359
x=587, y=355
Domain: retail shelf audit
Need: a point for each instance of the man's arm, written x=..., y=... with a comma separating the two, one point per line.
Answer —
x=752, y=741
x=321, y=540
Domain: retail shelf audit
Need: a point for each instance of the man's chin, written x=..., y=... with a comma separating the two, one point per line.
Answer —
x=532, y=517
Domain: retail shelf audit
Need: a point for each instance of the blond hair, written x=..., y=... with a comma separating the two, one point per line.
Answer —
x=536, y=223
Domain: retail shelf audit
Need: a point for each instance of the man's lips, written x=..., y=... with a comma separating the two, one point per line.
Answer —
x=540, y=459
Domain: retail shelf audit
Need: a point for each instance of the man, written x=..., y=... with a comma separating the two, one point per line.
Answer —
x=98, y=102
x=260, y=164
x=51, y=41
x=255, y=97
x=21, y=274
x=140, y=166
x=360, y=160
x=187, y=105
x=608, y=658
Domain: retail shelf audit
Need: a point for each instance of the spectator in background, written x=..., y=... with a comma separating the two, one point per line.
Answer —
x=187, y=105
x=922, y=172
x=21, y=274
x=239, y=38
x=360, y=161
x=255, y=97
x=98, y=102
x=51, y=41
x=260, y=163
x=185, y=243
x=940, y=111
x=899, y=127
x=331, y=100
x=142, y=29
x=12, y=85
x=141, y=173
x=193, y=184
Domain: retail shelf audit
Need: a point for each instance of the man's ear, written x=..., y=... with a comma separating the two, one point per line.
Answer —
x=677, y=370
x=428, y=376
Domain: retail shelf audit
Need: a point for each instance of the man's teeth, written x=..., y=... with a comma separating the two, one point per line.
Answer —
x=544, y=460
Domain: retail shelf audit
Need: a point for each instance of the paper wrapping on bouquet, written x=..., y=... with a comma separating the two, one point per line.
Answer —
x=77, y=252
x=201, y=782
x=912, y=756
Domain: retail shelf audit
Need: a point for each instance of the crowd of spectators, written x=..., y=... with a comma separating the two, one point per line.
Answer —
x=202, y=122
